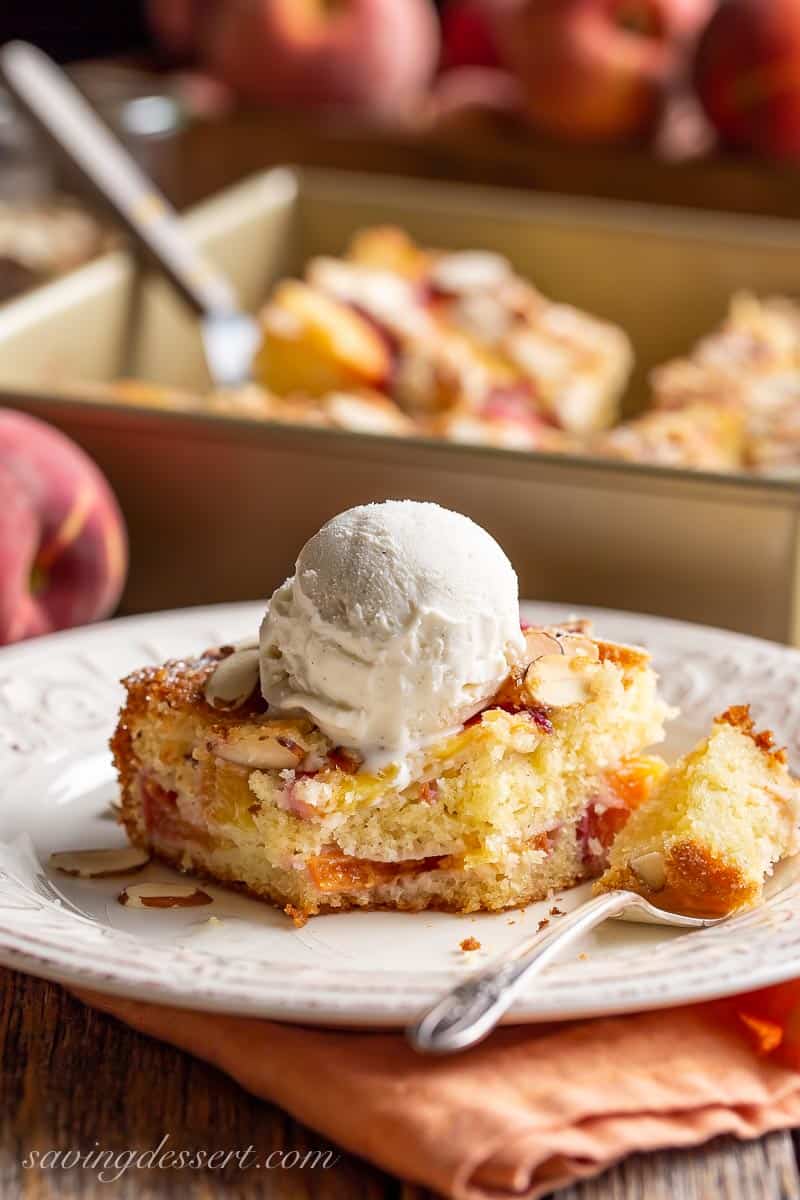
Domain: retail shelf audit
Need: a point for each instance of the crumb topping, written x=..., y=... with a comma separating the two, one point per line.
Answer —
x=470, y=943
x=299, y=918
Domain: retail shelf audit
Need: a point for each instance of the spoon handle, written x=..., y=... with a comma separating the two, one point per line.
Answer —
x=57, y=107
x=472, y=1009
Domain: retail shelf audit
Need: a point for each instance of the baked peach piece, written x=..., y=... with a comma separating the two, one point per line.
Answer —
x=709, y=836
x=312, y=344
x=522, y=800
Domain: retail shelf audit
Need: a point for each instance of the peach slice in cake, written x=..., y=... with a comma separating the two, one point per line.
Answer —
x=707, y=838
x=524, y=798
x=313, y=344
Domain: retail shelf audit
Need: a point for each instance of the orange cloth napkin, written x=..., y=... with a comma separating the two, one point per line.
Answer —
x=533, y=1108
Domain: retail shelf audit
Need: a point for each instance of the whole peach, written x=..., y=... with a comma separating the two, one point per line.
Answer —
x=376, y=57
x=596, y=70
x=747, y=74
x=63, y=548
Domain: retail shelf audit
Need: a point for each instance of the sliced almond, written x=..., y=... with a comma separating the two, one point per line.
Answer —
x=575, y=645
x=557, y=681
x=262, y=747
x=649, y=868
x=538, y=643
x=470, y=271
x=96, y=864
x=163, y=895
x=234, y=679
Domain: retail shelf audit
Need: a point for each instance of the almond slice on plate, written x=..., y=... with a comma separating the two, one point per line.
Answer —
x=164, y=895
x=96, y=864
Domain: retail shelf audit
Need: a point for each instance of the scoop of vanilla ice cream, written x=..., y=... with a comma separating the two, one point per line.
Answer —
x=400, y=622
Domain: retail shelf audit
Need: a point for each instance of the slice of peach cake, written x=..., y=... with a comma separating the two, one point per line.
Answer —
x=522, y=799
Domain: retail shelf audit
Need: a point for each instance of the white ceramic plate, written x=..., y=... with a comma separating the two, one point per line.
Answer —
x=58, y=701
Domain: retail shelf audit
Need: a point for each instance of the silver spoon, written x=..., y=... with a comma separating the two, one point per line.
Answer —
x=471, y=1010
x=230, y=336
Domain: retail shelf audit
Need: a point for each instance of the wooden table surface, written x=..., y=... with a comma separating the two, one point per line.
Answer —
x=73, y=1079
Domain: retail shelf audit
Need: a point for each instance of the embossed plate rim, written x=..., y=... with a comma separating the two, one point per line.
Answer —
x=40, y=935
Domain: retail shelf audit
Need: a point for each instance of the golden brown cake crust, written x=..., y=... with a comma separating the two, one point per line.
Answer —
x=698, y=884
x=738, y=715
x=180, y=683
x=627, y=657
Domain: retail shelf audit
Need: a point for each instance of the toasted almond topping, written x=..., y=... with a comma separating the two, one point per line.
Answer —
x=95, y=864
x=539, y=643
x=575, y=645
x=262, y=747
x=649, y=868
x=557, y=681
x=234, y=679
x=163, y=895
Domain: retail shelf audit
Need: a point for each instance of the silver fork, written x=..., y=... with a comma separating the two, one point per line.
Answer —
x=471, y=1010
x=230, y=336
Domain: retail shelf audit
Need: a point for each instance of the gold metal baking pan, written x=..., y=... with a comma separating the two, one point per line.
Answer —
x=218, y=506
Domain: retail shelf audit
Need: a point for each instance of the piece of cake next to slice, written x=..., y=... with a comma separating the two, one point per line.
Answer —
x=708, y=837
